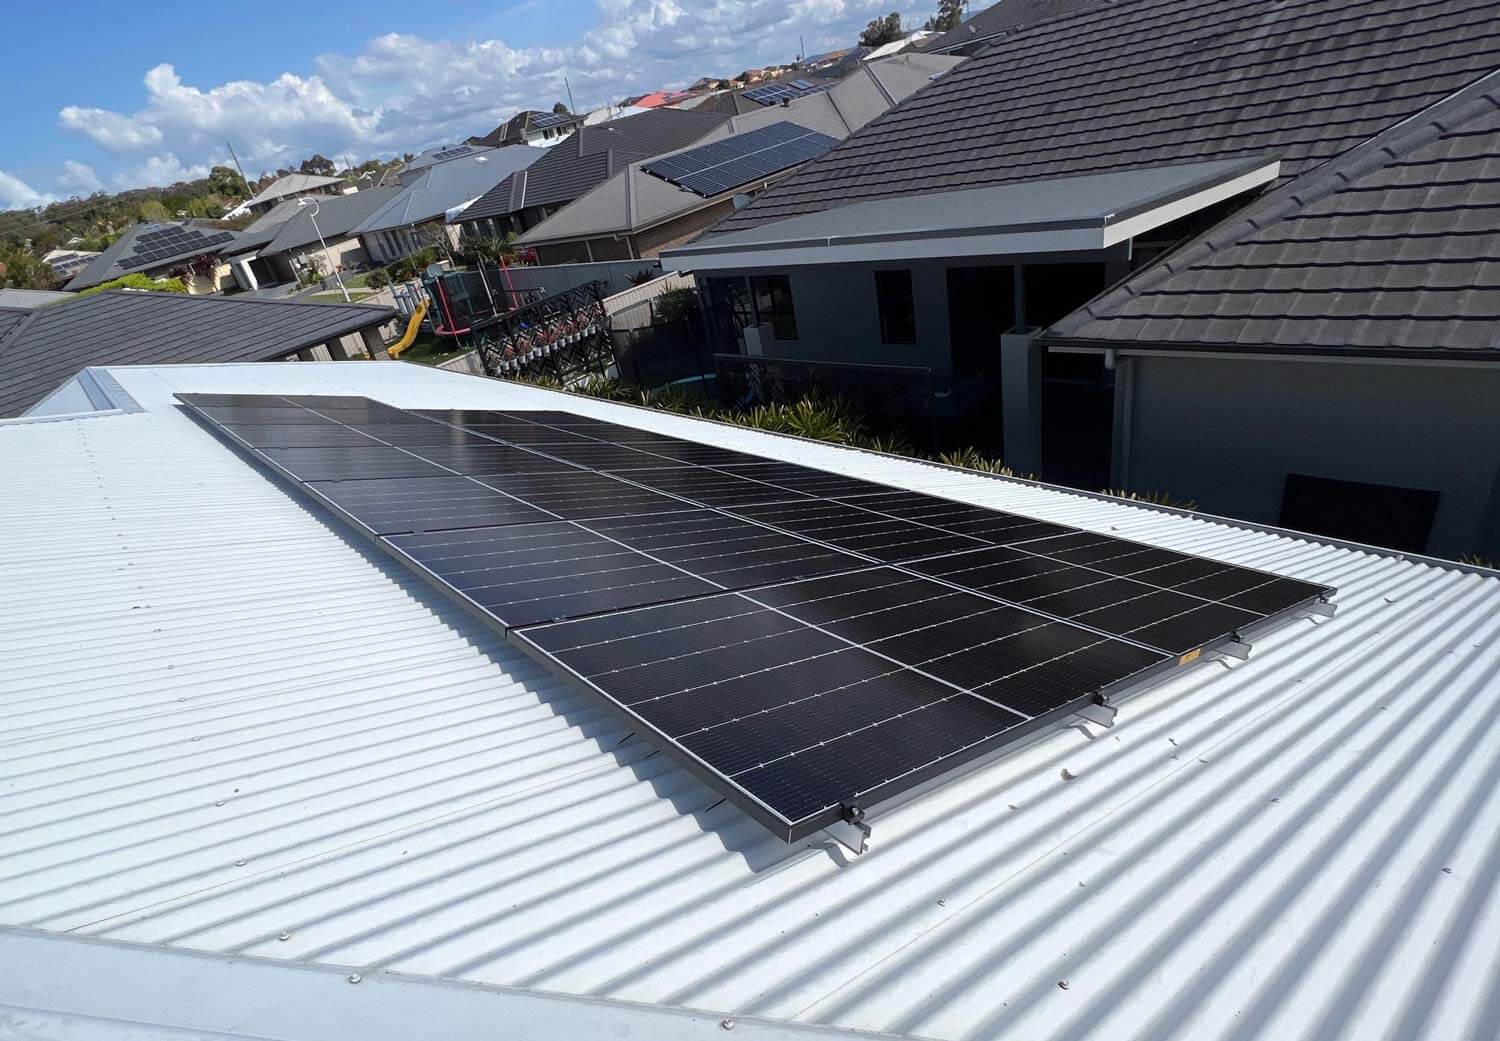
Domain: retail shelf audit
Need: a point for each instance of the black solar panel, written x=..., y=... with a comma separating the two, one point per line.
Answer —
x=720, y=166
x=804, y=641
x=807, y=698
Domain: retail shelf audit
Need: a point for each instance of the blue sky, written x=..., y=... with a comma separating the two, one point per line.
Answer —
x=156, y=90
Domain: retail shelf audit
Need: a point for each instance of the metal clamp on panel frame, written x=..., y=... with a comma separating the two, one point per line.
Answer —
x=850, y=830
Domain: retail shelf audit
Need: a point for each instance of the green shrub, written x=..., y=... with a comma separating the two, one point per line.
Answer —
x=970, y=459
x=378, y=279
x=139, y=281
x=674, y=304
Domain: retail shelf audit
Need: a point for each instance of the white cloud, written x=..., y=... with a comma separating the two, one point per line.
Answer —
x=78, y=178
x=16, y=194
x=159, y=170
x=402, y=92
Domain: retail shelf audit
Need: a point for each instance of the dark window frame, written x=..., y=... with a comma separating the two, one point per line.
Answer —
x=896, y=305
x=780, y=314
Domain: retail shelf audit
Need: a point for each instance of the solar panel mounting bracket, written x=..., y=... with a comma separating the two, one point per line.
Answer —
x=1234, y=648
x=1099, y=712
x=1322, y=609
x=851, y=832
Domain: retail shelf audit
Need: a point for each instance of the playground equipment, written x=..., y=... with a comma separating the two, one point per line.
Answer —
x=413, y=326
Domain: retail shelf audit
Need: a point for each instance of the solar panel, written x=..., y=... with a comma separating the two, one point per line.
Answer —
x=550, y=119
x=807, y=699
x=807, y=643
x=719, y=166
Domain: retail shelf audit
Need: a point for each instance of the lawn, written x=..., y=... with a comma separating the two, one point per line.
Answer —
x=429, y=350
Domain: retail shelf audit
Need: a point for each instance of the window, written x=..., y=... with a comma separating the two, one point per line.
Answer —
x=1378, y=514
x=772, y=295
x=893, y=299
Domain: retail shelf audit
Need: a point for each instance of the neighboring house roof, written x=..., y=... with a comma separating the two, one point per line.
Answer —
x=987, y=26
x=336, y=219
x=444, y=185
x=29, y=298
x=233, y=731
x=912, y=39
x=1393, y=248
x=590, y=156
x=279, y=214
x=735, y=103
x=632, y=199
x=435, y=156
x=658, y=98
x=144, y=248
x=514, y=130
x=131, y=328
x=1147, y=82
x=290, y=184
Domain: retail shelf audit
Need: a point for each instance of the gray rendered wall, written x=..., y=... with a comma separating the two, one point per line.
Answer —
x=1227, y=431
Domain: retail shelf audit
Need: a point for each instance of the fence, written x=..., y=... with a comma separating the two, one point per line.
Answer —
x=633, y=308
x=616, y=275
x=563, y=335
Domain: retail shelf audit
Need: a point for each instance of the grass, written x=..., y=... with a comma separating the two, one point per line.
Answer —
x=430, y=350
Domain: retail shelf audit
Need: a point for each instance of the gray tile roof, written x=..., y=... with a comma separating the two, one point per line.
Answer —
x=984, y=27
x=51, y=345
x=444, y=185
x=1145, y=82
x=28, y=298
x=109, y=264
x=337, y=217
x=1393, y=247
x=291, y=184
x=591, y=156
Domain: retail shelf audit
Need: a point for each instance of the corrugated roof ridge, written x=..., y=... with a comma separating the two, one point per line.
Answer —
x=1332, y=176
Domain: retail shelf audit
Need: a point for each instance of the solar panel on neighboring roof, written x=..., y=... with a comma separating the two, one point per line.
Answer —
x=550, y=119
x=807, y=643
x=721, y=166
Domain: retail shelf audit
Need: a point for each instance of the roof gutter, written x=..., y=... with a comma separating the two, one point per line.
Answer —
x=1308, y=352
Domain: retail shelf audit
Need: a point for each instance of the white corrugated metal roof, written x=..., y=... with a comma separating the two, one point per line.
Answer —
x=223, y=721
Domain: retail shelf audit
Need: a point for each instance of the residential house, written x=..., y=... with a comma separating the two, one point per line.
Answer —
x=48, y=355
x=659, y=99
x=641, y=211
x=591, y=156
x=951, y=230
x=315, y=235
x=288, y=186
x=770, y=91
x=158, y=250
x=263, y=781
x=414, y=217
x=68, y=262
x=531, y=127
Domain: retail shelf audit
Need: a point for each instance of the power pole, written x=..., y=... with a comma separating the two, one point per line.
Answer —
x=571, y=107
x=801, y=50
x=237, y=165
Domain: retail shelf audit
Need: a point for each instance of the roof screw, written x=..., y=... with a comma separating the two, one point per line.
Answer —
x=284, y=936
x=1062, y=984
x=1447, y=871
x=942, y=902
x=219, y=803
x=239, y=863
x=727, y=1024
x=355, y=977
x=1068, y=775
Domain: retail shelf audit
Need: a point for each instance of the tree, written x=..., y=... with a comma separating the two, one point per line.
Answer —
x=881, y=31
x=560, y=109
x=226, y=181
x=21, y=270
x=950, y=15
x=317, y=165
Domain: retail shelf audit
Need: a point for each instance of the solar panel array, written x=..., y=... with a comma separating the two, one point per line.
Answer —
x=806, y=642
x=550, y=119
x=722, y=166
x=168, y=242
x=776, y=93
x=451, y=153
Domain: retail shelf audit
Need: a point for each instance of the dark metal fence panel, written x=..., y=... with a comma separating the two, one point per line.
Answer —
x=892, y=399
x=565, y=336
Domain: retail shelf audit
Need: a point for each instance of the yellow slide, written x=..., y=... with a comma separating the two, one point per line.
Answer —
x=413, y=327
